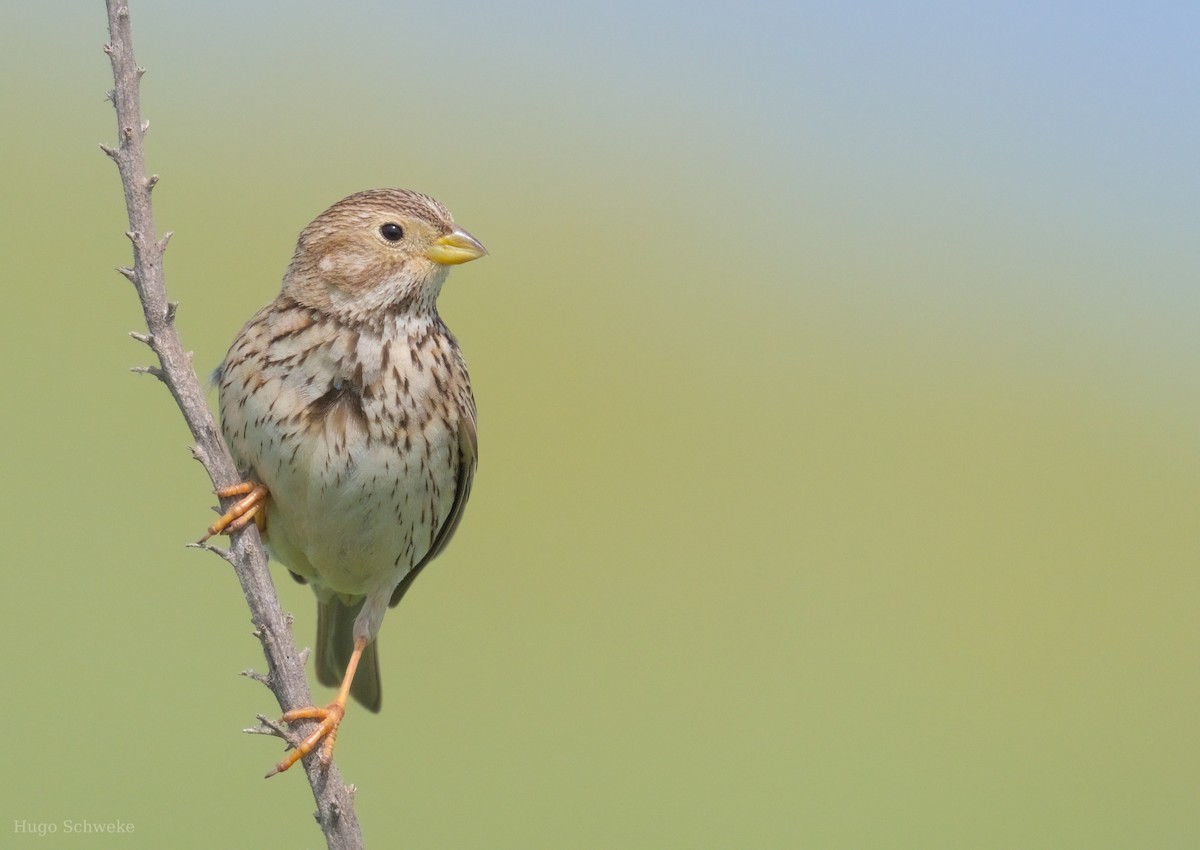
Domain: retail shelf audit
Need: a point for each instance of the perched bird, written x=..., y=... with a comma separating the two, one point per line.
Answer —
x=347, y=406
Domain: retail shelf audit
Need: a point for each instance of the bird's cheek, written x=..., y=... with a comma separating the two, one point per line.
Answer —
x=350, y=271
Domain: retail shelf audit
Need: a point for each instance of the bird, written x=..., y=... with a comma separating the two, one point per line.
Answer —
x=348, y=410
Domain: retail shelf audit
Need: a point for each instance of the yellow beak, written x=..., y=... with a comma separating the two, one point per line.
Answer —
x=455, y=247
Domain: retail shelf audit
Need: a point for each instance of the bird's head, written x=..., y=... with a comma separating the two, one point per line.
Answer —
x=377, y=252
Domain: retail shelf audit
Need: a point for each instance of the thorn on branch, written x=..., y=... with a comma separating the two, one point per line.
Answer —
x=166, y=237
x=110, y=152
x=261, y=678
x=127, y=273
x=303, y=656
x=223, y=554
x=108, y=48
x=145, y=339
x=141, y=72
x=149, y=370
x=268, y=727
x=145, y=125
x=111, y=96
x=151, y=182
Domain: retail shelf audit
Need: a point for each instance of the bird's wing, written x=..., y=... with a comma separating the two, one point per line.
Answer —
x=468, y=449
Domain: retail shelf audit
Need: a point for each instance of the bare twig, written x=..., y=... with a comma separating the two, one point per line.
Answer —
x=285, y=669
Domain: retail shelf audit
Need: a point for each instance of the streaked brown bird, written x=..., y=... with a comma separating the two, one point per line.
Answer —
x=348, y=408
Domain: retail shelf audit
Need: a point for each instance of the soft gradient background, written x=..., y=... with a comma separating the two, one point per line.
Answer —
x=837, y=374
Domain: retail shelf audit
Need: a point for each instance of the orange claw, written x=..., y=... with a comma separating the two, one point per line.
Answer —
x=241, y=512
x=330, y=717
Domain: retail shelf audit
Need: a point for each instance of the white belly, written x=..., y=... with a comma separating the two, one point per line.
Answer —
x=352, y=518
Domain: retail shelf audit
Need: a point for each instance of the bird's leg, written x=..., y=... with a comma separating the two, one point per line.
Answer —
x=330, y=717
x=249, y=507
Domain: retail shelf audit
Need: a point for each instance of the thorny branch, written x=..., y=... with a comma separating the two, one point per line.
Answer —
x=285, y=669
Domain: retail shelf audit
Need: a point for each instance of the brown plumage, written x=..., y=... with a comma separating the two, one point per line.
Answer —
x=347, y=397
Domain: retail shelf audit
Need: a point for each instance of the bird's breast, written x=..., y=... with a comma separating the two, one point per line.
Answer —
x=354, y=434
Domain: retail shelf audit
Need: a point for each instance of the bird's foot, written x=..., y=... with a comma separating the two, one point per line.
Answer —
x=330, y=718
x=251, y=506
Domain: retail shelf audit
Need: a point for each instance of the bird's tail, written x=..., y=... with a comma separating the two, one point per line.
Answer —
x=335, y=644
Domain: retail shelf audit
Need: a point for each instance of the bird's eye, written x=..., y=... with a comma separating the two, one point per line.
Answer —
x=392, y=232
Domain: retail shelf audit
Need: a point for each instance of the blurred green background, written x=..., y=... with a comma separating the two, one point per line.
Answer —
x=837, y=377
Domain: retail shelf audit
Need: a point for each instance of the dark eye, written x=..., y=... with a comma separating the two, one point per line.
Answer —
x=392, y=232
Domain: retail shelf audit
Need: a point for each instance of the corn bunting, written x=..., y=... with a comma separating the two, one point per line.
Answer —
x=348, y=408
